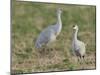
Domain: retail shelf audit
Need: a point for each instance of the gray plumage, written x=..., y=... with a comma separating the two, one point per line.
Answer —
x=77, y=45
x=49, y=34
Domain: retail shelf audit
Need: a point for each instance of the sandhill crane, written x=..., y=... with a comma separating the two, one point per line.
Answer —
x=78, y=46
x=49, y=34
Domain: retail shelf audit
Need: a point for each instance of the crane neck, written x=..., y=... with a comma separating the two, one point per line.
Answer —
x=59, y=22
x=75, y=35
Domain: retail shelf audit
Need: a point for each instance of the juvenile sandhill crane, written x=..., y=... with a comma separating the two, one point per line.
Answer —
x=78, y=46
x=49, y=34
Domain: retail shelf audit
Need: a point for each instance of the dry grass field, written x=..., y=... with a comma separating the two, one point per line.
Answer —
x=29, y=19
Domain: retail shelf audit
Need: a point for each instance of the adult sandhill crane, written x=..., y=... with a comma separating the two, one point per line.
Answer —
x=49, y=34
x=78, y=46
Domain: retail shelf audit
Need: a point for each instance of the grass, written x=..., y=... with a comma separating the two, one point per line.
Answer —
x=29, y=19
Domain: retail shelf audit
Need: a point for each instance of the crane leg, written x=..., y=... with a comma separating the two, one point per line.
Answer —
x=83, y=57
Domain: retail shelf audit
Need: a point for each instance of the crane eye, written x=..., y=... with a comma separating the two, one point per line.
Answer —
x=73, y=25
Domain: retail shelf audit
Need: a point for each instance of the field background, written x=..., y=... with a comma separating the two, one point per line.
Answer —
x=29, y=19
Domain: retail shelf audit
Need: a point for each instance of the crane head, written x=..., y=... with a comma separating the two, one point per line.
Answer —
x=75, y=27
x=59, y=10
